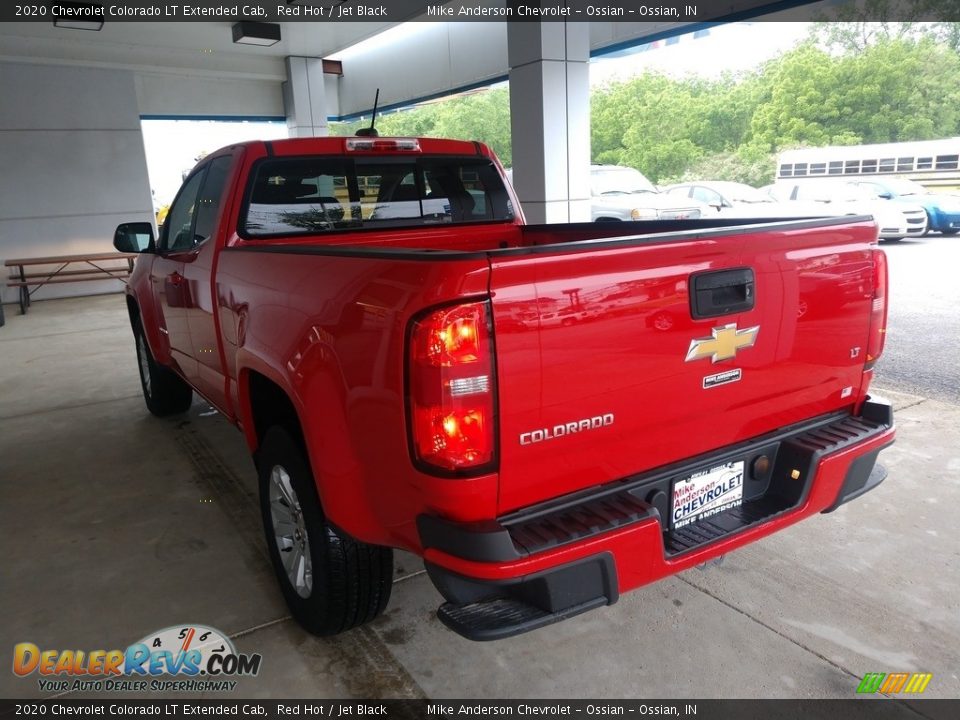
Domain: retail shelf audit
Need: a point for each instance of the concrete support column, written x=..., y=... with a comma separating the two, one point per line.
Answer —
x=550, y=119
x=305, y=97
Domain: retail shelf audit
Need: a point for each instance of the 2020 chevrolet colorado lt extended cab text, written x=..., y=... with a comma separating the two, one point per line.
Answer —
x=414, y=367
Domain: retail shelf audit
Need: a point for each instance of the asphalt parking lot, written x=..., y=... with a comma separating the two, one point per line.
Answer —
x=923, y=337
x=118, y=524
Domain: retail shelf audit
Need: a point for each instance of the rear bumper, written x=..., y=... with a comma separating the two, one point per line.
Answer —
x=582, y=551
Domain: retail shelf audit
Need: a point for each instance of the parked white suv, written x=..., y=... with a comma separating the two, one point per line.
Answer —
x=623, y=193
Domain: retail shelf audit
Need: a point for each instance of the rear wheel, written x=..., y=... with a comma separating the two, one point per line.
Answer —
x=331, y=582
x=164, y=391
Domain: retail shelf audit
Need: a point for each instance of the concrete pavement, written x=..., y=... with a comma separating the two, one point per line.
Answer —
x=118, y=524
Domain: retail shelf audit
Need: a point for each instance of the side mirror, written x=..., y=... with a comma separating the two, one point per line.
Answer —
x=135, y=237
x=885, y=195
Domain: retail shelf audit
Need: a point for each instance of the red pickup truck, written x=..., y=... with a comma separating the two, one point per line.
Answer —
x=548, y=415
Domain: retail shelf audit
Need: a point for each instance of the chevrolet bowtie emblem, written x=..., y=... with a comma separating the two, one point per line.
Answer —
x=723, y=343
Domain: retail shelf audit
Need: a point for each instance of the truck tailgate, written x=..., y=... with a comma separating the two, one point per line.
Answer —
x=604, y=372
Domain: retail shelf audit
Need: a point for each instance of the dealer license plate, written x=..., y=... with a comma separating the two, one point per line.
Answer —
x=706, y=493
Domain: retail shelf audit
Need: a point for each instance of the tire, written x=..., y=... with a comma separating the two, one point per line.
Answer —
x=951, y=231
x=333, y=582
x=164, y=392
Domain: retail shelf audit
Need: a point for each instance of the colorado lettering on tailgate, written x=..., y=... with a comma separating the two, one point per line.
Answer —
x=558, y=431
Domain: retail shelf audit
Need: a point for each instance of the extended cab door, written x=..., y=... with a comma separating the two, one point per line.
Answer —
x=198, y=270
x=166, y=274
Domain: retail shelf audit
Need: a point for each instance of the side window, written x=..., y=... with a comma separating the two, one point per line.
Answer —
x=706, y=195
x=210, y=199
x=178, y=227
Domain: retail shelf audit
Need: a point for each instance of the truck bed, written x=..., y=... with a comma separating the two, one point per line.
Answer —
x=493, y=237
x=588, y=321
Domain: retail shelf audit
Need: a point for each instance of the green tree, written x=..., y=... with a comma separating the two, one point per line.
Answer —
x=748, y=164
x=854, y=26
x=662, y=125
x=889, y=82
x=643, y=123
x=892, y=91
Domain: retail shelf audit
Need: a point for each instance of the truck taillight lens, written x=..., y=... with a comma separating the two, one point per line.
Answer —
x=451, y=390
x=367, y=144
x=878, y=311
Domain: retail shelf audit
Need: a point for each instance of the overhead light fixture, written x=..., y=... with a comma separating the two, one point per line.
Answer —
x=256, y=33
x=79, y=16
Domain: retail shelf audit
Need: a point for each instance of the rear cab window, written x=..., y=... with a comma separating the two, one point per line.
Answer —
x=318, y=195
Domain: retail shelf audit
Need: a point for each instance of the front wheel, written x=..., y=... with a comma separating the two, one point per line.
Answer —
x=331, y=582
x=164, y=392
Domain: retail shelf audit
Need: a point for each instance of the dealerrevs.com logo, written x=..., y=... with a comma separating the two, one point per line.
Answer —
x=181, y=658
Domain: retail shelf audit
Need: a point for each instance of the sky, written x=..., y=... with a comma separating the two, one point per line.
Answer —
x=736, y=47
x=173, y=146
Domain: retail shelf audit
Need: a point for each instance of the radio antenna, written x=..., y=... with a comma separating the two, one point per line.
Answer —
x=372, y=130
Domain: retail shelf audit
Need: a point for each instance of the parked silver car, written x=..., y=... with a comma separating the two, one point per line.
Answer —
x=736, y=200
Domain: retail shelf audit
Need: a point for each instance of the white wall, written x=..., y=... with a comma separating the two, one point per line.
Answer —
x=432, y=58
x=184, y=94
x=73, y=165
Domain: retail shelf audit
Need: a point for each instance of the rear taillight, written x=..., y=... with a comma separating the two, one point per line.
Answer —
x=451, y=391
x=878, y=310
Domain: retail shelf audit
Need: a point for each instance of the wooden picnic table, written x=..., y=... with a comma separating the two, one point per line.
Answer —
x=68, y=268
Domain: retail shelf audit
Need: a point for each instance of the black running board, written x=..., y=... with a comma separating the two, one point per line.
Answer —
x=505, y=617
x=494, y=609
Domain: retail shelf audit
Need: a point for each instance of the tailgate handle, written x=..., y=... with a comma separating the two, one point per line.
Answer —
x=721, y=292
